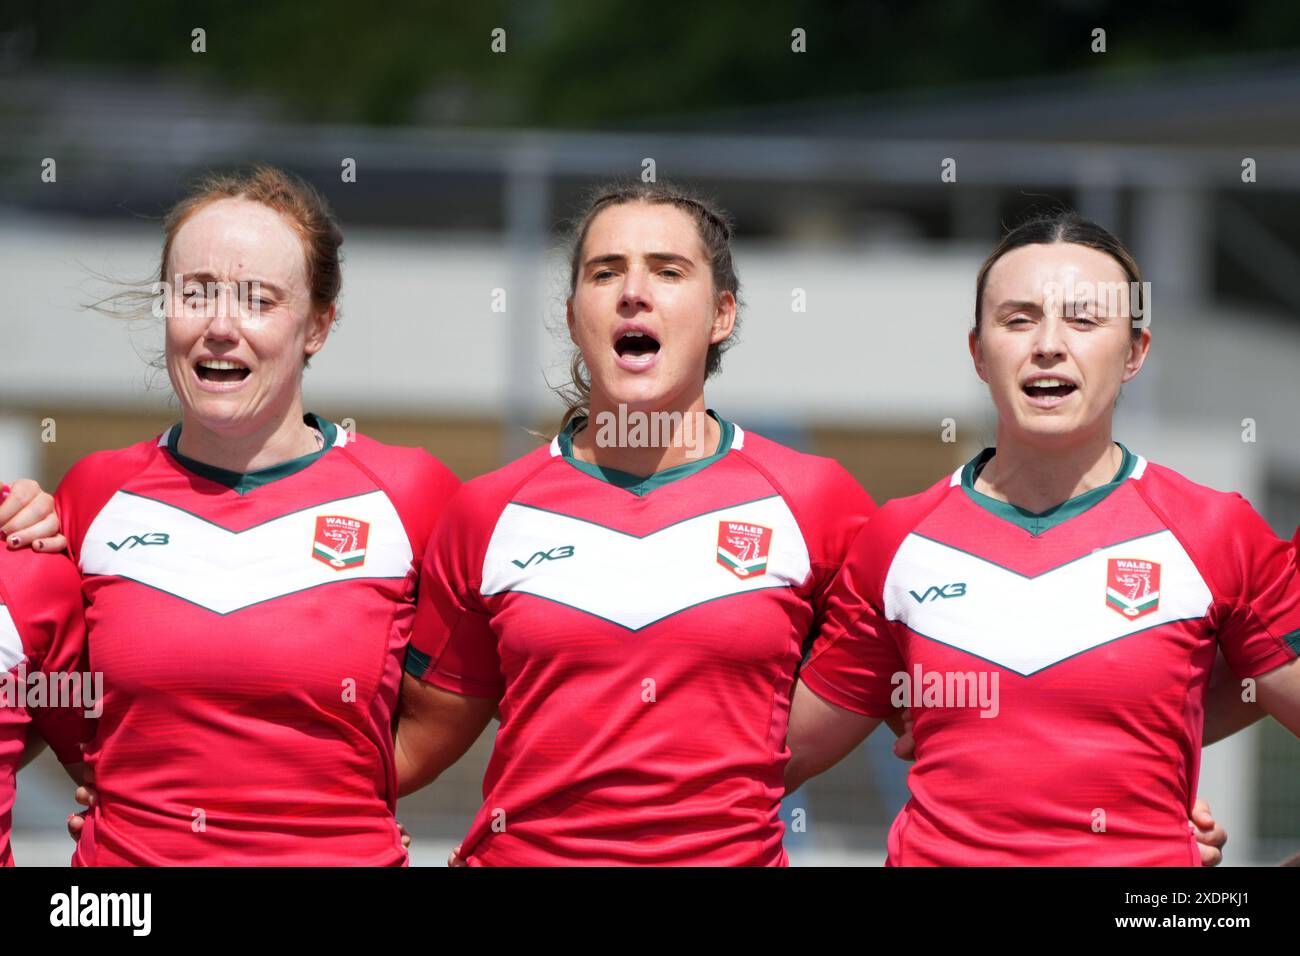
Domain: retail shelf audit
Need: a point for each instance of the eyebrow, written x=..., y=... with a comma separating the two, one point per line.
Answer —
x=1018, y=305
x=657, y=256
x=206, y=277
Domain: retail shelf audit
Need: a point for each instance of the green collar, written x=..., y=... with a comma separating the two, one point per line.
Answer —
x=641, y=485
x=1036, y=524
x=244, y=482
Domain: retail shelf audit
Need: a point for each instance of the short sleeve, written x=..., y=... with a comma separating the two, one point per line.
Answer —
x=1259, y=624
x=453, y=645
x=843, y=511
x=856, y=654
x=50, y=618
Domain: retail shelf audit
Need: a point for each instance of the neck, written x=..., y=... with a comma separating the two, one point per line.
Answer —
x=645, y=442
x=276, y=442
x=1035, y=478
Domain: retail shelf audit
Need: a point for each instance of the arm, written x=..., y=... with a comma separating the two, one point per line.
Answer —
x=1279, y=694
x=33, y=747
x=1225, y=711
x=434, y=729
x=1258, y=591
x=821, y=735
x=452, y=684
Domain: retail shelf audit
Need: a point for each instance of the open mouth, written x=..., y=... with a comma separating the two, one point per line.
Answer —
x=1049, y=388
x=221, y=371
x=637, y=346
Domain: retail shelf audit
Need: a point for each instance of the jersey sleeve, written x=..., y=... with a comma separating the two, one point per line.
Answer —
x=88, y=486
x=452, y=644
x=841, y=511
x=48, y=612
x=855, y=655
x=1259, y=620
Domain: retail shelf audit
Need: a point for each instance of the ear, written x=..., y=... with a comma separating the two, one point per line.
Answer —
x=569, y=320
x=318, y=329
x=724, y=318
x=1139, y=348
x=977, y=354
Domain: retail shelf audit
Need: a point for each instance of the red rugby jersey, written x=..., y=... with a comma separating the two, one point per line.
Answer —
x=642, y=636
x=251, y=631
x=1098, y=621
x=42, y=633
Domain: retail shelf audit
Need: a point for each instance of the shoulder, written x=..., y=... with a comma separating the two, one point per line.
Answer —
x=92, y=481
x=404, y=470
x=1222, y=532
x=904, y=514
x=482, y=499
x=108, y=470
x=418, y=484
x=828, y=503
x=879, y=541
x=1204, y=516
x=808, y=479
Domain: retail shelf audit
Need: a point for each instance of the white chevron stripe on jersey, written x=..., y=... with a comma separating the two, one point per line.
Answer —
x=11, y=644
x=1028, y=623
x=635, y=581
x=225, y=571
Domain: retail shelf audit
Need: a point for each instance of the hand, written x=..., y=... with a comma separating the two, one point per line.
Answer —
x=87, y=796
x=453, y=858
x=406, y=837
x=27, y=517
x=904, y=745
x=1210, y=837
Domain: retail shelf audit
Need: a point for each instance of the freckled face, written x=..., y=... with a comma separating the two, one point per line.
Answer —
x=236, y=361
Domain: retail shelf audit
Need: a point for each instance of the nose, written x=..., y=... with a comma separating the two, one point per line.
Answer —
x=224, y=319
x=1048, y=340
x=635, y=295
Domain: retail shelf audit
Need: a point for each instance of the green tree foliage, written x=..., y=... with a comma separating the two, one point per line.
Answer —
x=597, y=63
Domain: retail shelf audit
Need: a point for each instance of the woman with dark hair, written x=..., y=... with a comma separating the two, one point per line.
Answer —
x=635, y=597
x=1051, y=612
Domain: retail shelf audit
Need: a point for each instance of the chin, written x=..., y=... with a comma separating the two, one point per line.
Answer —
x=640, y=396
x=218, y=414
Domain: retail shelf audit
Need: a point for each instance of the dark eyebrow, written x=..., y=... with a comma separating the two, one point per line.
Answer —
x=671, y=257
x=657, y=256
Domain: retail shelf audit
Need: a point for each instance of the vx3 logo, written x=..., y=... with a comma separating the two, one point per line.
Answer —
x=136, y=540
x=560, y=551
x=940, y=591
